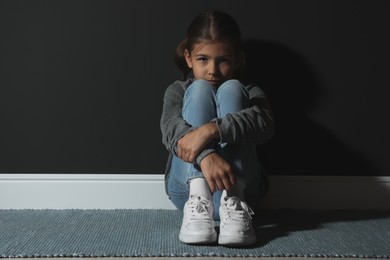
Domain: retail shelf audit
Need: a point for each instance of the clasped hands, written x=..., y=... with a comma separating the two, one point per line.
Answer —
x=217, y=172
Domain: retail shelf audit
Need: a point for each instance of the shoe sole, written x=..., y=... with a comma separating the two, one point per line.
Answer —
x=198, y=239
x=236, y=241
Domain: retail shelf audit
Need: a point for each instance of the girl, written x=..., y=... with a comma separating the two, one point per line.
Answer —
x=211, y=124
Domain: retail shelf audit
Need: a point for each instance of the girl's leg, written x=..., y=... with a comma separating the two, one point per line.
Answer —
x=199, y=108
x=236, y=227
x=233, y=97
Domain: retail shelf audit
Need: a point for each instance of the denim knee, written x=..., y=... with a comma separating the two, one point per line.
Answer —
x=232, y=89
x=199, y=103
x=232, y=97
x=199, y=89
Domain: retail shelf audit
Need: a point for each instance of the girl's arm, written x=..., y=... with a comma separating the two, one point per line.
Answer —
x=172, y=124
x=252, y=125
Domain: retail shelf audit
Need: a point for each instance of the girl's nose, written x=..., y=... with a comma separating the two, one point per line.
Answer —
x=213, y=68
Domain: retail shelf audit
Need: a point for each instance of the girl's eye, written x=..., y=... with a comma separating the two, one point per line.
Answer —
x=202, y=59
x=223, y=60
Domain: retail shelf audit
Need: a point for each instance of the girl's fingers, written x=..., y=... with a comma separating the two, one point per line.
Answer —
x=211, y=185
x=227, y=184
x=179, y=152
x=232, y=179
x=191, y=158
x=220, y=185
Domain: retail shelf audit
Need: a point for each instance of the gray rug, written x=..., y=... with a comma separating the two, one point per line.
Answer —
x=152, y=233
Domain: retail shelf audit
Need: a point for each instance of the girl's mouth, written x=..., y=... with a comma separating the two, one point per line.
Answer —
x=214, y=82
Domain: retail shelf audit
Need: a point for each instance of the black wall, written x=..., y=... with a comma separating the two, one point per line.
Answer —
x=81, y=83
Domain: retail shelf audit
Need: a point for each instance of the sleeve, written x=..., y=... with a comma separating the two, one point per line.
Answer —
x=252, y=125
x=172, y=124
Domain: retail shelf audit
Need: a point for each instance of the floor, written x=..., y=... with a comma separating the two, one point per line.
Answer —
x=200, y=258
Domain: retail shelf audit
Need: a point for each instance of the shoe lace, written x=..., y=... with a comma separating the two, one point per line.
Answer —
x=236, y=211
x=198, y=207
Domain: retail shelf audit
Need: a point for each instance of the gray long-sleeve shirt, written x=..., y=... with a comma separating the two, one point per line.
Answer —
x=252, y=125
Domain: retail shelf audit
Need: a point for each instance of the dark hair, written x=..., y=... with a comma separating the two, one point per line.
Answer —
x=209, y=26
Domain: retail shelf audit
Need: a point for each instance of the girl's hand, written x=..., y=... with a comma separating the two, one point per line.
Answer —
x=190, y=145
x=217, y=172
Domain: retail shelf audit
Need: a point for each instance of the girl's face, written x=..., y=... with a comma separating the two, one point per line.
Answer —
x=212, y=61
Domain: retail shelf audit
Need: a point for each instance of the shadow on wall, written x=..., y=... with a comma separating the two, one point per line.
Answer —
x=300, y=145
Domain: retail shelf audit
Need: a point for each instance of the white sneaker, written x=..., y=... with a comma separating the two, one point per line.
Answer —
x=198, y=223
x=236, y=223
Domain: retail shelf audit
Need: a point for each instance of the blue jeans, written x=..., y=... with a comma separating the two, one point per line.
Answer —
x=202, y=103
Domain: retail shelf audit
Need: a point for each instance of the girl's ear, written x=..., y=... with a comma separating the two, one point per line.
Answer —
x=187, y=56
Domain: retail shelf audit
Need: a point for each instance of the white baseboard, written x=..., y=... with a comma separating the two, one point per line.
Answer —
x=129, y=191
x=82, y=191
